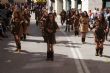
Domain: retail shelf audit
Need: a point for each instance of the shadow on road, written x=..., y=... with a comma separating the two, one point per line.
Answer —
x=106, y=56
x=35, y=62
x=37, y=41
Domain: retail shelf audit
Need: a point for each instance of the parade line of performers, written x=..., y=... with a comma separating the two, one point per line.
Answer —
x=75, y=20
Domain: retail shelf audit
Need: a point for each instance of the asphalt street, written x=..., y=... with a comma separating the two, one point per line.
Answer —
x=71, y=56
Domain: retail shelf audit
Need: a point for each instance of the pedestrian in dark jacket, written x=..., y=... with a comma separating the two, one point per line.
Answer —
x=76, y=23
x=68, y=21
x=63, y=16
x=100, y=26
x=51, y=28
x=17, y=28
x=43, y=24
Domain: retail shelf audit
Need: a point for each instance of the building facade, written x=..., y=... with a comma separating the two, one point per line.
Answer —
x=106, y=3
x=62, y=4
x=91, y=5
x=85, y=5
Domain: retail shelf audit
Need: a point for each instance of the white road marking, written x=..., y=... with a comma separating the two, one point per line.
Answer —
x=80, y=64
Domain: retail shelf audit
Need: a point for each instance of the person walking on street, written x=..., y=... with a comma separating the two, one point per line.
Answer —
x=17, y=27
x=100, y=26
x=109, y=23
x=51, y=28
x=55, y=14
x=84, y=25
x=69, y=21
x=26, y=21
x=63, y=16
x=76, y=23
x=43, y=24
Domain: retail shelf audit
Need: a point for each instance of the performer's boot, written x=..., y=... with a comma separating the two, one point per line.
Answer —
x=18, y=47
x=52, y=55
x=24, y=36
x=101, y=52
x=68, y=28
x=21, y=38
x=36, y=22
x=72, y=27
x=76, y=33
x=48, y=55
x=83, y=40
x=97, y=52
x=16, y=50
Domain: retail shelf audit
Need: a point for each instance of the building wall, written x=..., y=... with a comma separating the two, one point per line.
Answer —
x=4, y=1
x=59, y=6
x=85, y=5
x=91, y=5
x=95, y=4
